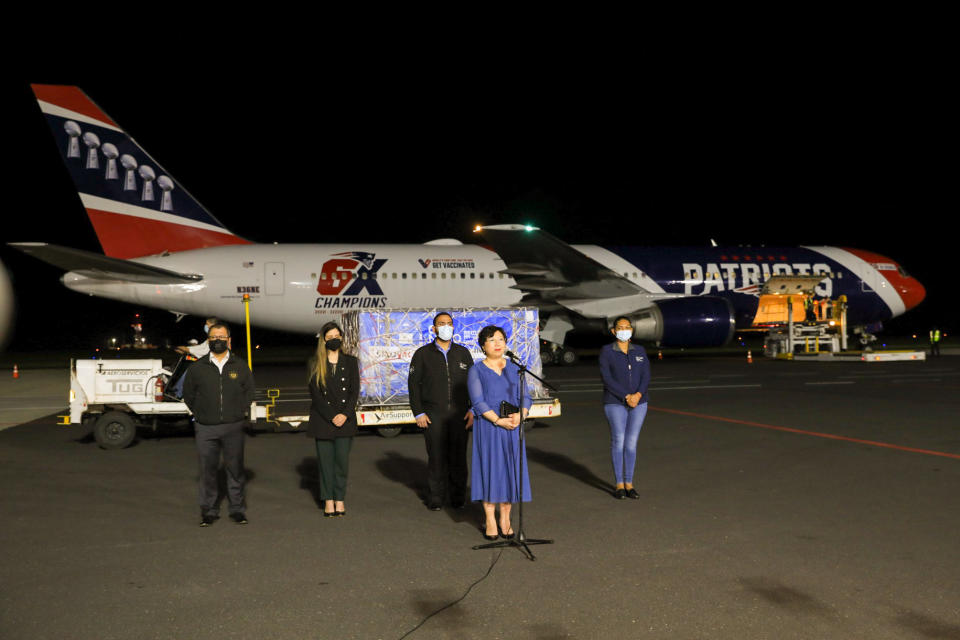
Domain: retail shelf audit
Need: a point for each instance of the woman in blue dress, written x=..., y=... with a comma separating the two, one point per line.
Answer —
x=496, y=440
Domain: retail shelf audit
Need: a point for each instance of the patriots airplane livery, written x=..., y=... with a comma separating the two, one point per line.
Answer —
x=163, y=249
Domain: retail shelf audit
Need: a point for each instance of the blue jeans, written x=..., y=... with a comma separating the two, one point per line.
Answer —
x=625, y=424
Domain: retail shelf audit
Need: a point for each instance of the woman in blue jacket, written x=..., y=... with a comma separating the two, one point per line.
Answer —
x=625, y=370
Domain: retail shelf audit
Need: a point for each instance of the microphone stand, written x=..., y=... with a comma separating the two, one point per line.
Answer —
x=520, y=539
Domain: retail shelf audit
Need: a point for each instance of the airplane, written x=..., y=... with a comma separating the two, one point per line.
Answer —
x=163, y=249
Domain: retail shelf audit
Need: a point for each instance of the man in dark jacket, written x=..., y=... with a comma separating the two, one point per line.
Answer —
x=441, y=404
x=219, y=389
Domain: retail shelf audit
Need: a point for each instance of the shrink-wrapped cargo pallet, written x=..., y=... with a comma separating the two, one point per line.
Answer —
x=384, y=341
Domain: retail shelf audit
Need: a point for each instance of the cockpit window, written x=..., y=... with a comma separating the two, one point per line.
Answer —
x=902, y=271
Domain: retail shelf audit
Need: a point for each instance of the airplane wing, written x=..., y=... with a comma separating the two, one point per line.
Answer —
x=548, y=266
x=94, y=265
x=551, y=273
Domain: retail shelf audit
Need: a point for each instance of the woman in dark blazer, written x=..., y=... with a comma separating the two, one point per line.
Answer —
x=334, y=390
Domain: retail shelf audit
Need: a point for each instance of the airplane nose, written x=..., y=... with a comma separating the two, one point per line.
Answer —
x=912, y=293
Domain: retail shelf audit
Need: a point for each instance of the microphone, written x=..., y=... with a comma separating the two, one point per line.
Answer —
x=511, y=355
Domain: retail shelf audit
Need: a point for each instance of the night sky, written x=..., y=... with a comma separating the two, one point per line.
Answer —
x=784, y=154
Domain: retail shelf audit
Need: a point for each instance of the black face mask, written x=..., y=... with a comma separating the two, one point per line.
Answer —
x=218, y=346
x=333, y=344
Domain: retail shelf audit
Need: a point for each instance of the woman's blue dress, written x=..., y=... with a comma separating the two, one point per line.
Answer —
x=493, y=474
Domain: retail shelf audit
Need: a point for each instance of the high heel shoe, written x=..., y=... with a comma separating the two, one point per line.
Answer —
x=329, y=514
x=483, y=530
x=505, y=536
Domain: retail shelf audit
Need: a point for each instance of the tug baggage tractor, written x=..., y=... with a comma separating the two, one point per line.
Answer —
x=116, y=396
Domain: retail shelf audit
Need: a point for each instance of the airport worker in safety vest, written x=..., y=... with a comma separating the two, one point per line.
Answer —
x=935, y=341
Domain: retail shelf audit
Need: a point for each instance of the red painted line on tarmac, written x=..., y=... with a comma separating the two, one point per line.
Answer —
x=831, y=436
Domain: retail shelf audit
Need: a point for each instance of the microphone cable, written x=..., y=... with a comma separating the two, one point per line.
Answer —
x=460, y=599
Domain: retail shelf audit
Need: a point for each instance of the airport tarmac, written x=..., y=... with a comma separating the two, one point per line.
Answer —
x=787, y=500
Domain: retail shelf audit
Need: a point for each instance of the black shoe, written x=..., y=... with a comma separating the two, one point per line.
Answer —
x=329, y=514
x=340, y=513
x=239, y=518
x=457, y=504
x=206, y=521
x=632, y=493
x=620, y=494
x=483, y=530
x=505, y=536
x=434, y=505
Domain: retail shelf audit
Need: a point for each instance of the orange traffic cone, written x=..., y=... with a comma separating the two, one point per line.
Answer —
x=16, y=372
x=749, y=357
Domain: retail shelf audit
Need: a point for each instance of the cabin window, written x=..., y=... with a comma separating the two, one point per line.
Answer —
x=423, y=276
x=323, y=275
x=481, y=275
x=403, y=276
x=472, y=275
x=363, y=276
x=433, y=276
x=443, y=276
x=463, y=276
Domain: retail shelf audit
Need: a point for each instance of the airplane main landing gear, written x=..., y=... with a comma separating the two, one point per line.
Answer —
x=567, y=356
x=552, y=353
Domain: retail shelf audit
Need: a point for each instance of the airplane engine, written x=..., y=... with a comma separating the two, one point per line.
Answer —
x=701, y=321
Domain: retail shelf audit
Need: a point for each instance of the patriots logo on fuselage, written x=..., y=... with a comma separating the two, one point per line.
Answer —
x=363, y=257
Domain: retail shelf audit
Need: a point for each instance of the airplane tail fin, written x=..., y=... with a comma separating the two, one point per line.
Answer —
x=135, y=207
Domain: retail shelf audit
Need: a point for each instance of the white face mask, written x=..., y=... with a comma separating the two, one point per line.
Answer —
x=445, y=332
x=624, y=334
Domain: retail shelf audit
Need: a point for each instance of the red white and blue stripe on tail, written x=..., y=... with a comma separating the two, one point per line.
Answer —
x=136, y=208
